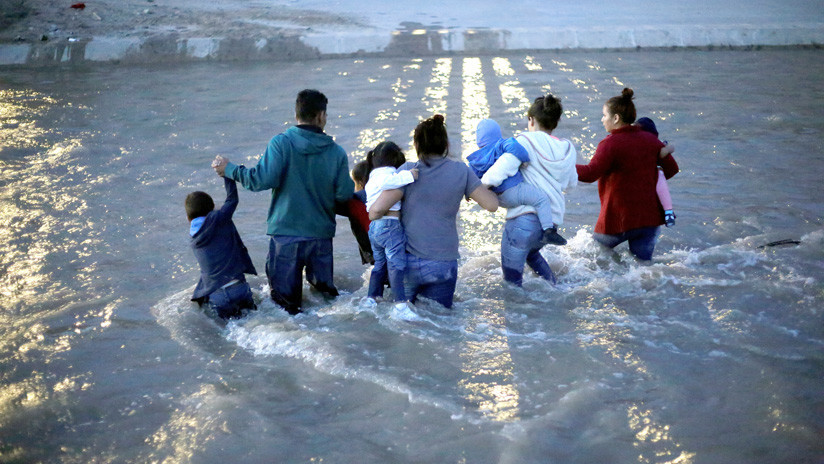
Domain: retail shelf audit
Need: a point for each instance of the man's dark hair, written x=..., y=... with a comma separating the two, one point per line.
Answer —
x=309, y=104
x=198, y=204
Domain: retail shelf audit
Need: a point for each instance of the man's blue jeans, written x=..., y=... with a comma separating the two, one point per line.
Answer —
x=520, y=245
x=288, y=256
x=641, y=241
x=431, y=279
x=389, y=250
x=229, y=302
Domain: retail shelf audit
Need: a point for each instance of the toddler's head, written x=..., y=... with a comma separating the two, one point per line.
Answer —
x=360, y=174
x=647, y=125
x=198, y=204
x=387, y=153
x=487, y=132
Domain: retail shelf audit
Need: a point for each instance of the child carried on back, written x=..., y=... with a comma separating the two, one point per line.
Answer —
x=386, y=234
x=506, y=179
x=220, y=252
x=661, y=187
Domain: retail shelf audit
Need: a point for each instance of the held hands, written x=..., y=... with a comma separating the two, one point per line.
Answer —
x=219, y=165
x=414, y=172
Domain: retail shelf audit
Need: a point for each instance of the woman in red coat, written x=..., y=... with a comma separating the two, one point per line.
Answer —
x=626, y=168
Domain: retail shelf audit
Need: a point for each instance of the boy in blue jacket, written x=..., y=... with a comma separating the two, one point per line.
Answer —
x=222, y=257
x=508, y=182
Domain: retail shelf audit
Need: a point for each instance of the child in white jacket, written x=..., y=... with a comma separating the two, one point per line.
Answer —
x=386, y=234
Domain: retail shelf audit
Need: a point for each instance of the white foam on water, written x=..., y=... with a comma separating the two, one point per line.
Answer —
x=583, y=267
x=587, y=269
x=306, y=337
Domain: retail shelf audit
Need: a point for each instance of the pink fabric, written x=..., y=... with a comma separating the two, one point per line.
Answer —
x=663, y=191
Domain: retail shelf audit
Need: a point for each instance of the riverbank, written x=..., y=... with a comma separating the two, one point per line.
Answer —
x=49, y=33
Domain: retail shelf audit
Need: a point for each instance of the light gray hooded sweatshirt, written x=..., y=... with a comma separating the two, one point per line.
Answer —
x=551, y=168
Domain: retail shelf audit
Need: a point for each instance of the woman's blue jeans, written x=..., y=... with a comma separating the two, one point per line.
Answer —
x=389, y=251
x=431, y=279
x=521, y=245
x=641, y=241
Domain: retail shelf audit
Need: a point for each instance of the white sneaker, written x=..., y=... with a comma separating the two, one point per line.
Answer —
x=404, y=311
x=368, y=302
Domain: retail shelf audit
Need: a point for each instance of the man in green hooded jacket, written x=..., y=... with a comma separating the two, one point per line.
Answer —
x=307, y=173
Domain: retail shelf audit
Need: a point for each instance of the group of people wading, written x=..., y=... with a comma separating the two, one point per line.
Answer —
x=412, y=207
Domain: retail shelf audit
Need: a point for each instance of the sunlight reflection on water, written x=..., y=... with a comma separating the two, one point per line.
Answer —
x=656, y=361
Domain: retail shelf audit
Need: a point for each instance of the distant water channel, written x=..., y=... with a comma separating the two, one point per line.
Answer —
x=712, y=354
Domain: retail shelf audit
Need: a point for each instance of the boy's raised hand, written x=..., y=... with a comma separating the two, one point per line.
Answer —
x=219, y=165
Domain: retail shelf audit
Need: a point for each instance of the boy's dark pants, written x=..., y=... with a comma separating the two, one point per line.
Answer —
x=229, y=302
x=287, y=258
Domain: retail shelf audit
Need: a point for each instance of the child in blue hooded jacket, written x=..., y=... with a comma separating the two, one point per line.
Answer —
x=509, y=184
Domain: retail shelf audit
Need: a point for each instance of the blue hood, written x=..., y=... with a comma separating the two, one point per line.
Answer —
x=488, y=132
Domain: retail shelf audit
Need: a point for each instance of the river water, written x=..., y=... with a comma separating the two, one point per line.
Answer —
x=714, y=353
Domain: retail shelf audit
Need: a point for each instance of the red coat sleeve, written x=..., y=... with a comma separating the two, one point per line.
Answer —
x=599, y=165
x=669, y=166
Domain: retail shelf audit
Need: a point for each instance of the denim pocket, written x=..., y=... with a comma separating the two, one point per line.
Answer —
x=438, y=271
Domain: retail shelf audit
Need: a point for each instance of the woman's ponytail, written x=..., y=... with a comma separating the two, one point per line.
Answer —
x=623, y=106
x=547, y=111
x=431, y=139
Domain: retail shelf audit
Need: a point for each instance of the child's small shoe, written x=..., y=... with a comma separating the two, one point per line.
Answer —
x=669, y=218
x=551, y=237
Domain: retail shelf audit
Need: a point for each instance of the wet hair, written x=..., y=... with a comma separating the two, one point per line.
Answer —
x=431, y=140
x=386, y=153
x=546, y=110
x=623, y=106
x=360, y=173
x=198, y=204
x=309, y=104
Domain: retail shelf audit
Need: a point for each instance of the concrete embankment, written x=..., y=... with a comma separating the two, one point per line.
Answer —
x=278, y=30
x=400, y=42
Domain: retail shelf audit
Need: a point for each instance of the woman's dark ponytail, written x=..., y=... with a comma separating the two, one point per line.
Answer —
x=547, y=111
x=627, y=94
x=370, y=163
x=431, y=139
x=623, y=106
